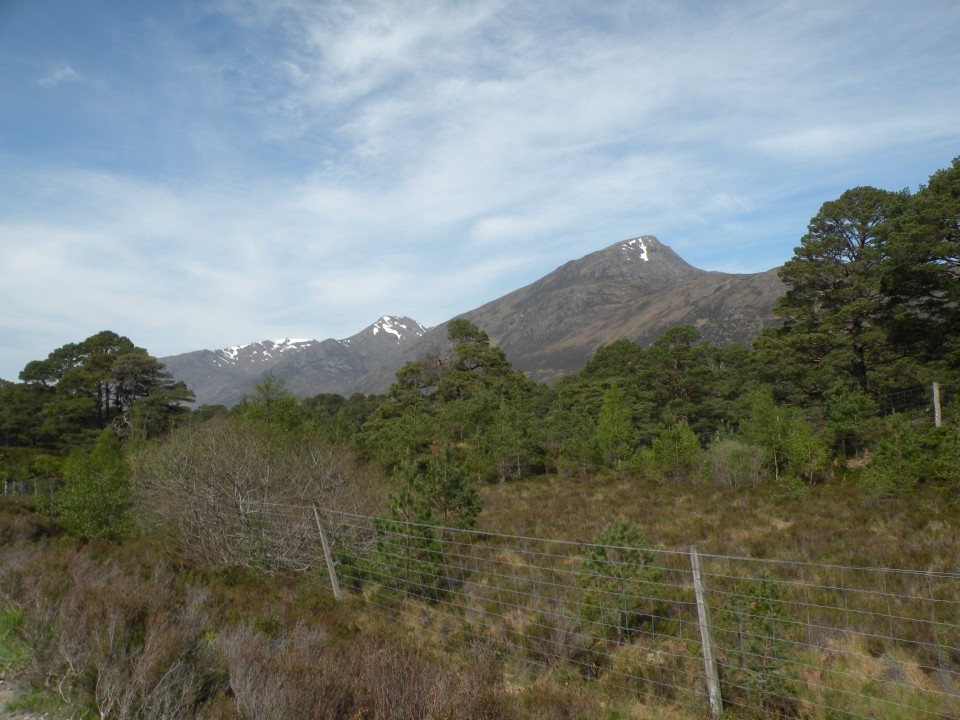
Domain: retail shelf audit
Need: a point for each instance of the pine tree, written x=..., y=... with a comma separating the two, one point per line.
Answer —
x=615, y=436
x=833, y=309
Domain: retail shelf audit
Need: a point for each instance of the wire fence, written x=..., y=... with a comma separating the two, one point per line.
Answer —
x=923, y=397
x=786, y=639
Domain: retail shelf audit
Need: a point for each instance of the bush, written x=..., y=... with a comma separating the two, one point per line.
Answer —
x=617, y=577
x=675, y=454
x=733, y=462
x=303, y=675
x=897, y=460
x=96, y=497
x=124, y=644
x=234, y=494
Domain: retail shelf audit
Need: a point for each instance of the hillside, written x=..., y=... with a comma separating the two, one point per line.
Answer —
x=635, y=290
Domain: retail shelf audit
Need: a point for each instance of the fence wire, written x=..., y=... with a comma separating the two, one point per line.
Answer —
x=791, y=640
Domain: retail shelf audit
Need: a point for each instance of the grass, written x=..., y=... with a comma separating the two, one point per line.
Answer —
x=13, y=651
x=234, y=625
x=836, y=523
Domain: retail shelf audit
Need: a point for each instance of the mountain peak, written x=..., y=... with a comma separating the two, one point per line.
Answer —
x=264, y=349
x=636, y=249
x=396, y=329
x=399, y=326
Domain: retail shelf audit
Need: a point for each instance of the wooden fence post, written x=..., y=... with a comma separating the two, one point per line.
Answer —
x=937, y=418
x=328, y=555
x=706, y=636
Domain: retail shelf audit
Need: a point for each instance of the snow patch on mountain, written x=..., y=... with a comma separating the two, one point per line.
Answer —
x=636, y=248
x=398, y=326
x=231, y=355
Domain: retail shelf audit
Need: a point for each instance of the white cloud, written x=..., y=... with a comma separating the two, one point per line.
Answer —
x=61, y=74
x=302, y=168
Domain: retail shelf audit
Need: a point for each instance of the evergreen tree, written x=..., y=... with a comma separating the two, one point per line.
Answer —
x=923, y=280
x=618, y=576
x=99, y=382
x=835, y=303
x=897, y=461
x=848, y=410
x=615, y=436
x=571, y=423
x=429, y=501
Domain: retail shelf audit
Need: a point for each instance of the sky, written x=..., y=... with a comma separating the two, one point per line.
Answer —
x=196, y=174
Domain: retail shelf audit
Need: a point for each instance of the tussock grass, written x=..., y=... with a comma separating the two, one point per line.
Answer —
x=836, y=523
x=94, y=623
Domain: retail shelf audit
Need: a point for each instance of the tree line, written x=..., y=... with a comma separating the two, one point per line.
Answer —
x=872, y=306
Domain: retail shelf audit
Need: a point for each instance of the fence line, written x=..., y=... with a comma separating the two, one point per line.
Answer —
x=791, y=639
x=923, y=396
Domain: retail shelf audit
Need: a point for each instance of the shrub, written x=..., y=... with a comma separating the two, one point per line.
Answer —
x=897, y=460
x=733, y=462
x=122, y=643
x=303, y=675
x=96, y=497
x=676, y=454
x=234, y=494
x=618, y=579
x=297, y=676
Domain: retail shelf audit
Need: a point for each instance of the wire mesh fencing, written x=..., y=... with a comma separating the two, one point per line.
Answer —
x=812, y=640
x=783, y=639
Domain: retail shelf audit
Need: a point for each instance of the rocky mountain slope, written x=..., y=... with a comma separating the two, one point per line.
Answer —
x=634, y=289
x=307, y=367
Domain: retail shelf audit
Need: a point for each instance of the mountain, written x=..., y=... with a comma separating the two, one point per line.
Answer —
x=307, y=367
x=634, y=289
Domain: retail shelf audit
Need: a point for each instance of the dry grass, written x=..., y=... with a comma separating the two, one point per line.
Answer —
x=835, y=523
x=134, y=632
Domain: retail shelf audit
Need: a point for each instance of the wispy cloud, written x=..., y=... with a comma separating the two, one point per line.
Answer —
x=60, y=75
x=245, y=169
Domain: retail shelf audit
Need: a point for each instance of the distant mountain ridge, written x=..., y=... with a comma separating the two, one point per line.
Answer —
x=635, y=289
x=307, y=367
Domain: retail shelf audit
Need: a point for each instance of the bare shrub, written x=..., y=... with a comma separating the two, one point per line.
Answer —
x=552, y=700
x=18, y=524
x=733, y=463
x=237, y=496
x=398, y=682
x=556, y=635
x=120, y=642
x=480, y=693
x=295, y=677
x=155, y=679
x=304, y=675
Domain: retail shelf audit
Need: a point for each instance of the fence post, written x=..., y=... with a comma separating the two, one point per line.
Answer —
x=937, y=419
x=703, y=615
x=329, y=557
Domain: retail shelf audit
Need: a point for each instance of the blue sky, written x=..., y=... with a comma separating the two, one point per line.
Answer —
x=197, y=174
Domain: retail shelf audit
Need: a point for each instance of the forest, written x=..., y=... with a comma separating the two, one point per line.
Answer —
x=107, y=468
